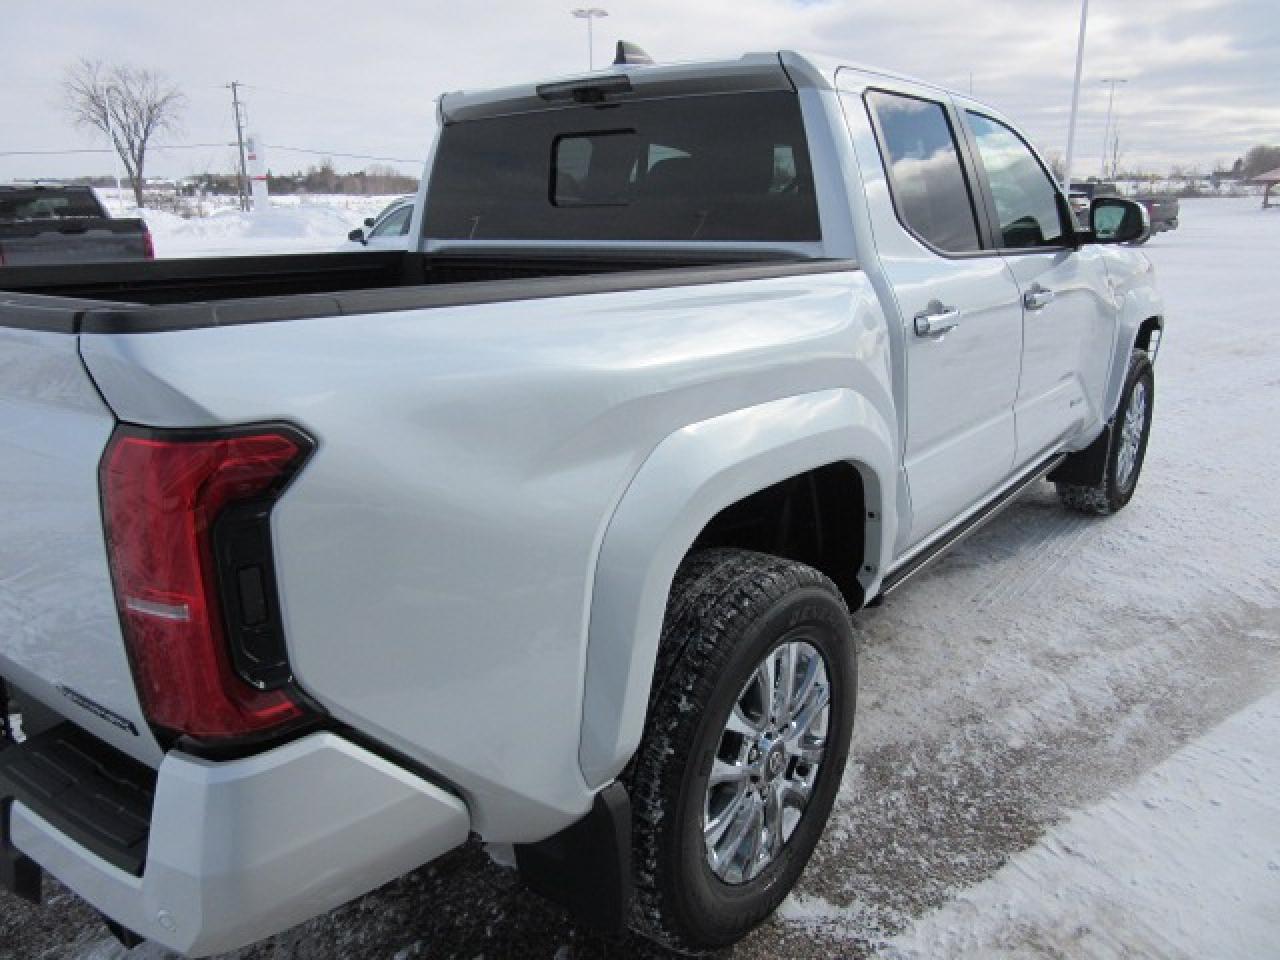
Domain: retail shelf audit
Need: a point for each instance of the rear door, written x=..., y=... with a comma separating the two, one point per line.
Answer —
x=1068, y=318
x=60, y=638
x=958, y=303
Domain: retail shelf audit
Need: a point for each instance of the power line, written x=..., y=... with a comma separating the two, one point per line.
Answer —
x=205, y=146
x=150, y=146
x=339, y=153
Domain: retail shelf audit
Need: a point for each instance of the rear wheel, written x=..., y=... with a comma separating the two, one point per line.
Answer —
x=749, y=729
x=1128, y=450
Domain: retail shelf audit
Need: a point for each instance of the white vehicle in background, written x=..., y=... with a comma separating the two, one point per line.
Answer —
x=389, y=230
x=548, y=526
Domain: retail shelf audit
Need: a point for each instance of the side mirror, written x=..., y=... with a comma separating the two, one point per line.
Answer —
x=357, y=236
x=1116, y=220
x=368, y=221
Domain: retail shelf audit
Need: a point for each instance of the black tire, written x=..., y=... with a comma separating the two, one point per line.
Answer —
x=1110, y=494
x=727, y=610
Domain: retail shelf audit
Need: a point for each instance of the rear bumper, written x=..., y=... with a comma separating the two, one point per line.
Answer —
x=239, y=850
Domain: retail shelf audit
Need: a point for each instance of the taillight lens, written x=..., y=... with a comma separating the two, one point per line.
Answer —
x=163, y=493
x=148, y=244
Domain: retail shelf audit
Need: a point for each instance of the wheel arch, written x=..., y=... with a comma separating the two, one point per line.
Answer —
x=831, y=441
x=1141, y=325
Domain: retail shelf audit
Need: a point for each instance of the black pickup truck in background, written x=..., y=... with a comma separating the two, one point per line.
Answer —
x=1162, y=208
x=54, y=224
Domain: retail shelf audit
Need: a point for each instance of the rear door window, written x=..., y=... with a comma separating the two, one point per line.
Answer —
x=725, y=167
x=926, y=177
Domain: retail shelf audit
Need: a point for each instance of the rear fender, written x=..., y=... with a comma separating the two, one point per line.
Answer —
x=689, y=478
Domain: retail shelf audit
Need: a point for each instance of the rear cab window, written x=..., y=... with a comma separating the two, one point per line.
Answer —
x=729, y=167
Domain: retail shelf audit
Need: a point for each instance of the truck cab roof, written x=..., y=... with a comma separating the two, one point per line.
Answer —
x=752, y=72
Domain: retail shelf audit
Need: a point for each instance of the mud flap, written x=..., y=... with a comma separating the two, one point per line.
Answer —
x=19, y=874
x=587, y=866
x=1086, y=467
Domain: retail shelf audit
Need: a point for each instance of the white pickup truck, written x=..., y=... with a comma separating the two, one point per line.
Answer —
x=549, y=529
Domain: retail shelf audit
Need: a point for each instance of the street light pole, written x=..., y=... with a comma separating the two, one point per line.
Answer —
x=1106, y=131
x=1075, y=94
x=589, y=14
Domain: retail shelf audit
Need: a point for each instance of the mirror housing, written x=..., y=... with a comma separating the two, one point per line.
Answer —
x=1117, y=220
x=357, y=236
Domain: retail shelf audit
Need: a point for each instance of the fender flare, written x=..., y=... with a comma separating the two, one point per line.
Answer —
x=689, y=477
x=1139, y=305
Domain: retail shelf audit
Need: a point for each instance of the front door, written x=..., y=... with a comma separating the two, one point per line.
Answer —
x=1068, y=322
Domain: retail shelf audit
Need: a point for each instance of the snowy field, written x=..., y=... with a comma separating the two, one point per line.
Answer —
x=315, y=223
x=1068, y=735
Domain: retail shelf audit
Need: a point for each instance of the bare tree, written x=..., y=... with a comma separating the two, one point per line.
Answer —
x=127, y=104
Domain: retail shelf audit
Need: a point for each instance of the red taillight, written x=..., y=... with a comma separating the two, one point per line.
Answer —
x=148, y=245
x=163, y=492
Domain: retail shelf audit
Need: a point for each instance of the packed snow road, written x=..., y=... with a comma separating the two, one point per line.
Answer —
x=1067, y=740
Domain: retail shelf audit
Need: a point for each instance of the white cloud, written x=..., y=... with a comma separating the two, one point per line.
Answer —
x=361, y=78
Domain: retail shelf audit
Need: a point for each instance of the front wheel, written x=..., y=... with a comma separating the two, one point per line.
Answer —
x=748, y=733
x=1128, y=449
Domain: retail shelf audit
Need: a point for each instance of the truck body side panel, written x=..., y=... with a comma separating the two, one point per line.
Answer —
x=436, y=556
x=60, y=639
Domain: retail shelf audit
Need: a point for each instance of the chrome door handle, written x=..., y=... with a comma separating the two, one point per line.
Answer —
x=937, y=320
x=1037, y=297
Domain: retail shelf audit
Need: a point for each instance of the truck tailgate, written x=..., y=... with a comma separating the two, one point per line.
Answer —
x=60, y=638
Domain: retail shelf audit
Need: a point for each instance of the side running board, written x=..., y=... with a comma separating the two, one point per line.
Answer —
x=917, y=562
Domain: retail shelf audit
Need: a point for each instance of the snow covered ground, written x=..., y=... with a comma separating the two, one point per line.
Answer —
x=294, y=224
x=1068, y=735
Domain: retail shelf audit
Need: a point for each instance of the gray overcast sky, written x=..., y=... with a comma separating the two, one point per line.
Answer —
x=360, y=77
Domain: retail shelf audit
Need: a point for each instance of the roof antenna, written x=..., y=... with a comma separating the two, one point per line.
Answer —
x=631, y=53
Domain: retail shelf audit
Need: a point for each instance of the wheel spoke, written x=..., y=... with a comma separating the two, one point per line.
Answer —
x=715, y=830
x=786, y=682
x=767, y=681
x=742, y=724
x=722, y=772
x=773, y=819
x=808, y=713
x=812, y=669
x=739, y=835
x=753, y=841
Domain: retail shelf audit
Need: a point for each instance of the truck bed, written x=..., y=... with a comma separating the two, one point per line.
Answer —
x=185, y=294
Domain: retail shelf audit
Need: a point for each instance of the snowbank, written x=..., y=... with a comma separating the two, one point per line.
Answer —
x=292, y=229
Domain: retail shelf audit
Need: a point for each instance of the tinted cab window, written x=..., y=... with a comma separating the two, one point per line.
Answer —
x=926, y=178
x=729, y=167
x=1025, y=196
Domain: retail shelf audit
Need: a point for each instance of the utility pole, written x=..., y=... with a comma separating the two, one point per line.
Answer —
x=1075, y=94
x=243, y=178
x=589, y=14
x=1106, y=135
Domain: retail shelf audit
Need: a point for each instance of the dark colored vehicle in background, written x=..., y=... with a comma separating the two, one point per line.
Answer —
x=1162, y=208
x=54, y=224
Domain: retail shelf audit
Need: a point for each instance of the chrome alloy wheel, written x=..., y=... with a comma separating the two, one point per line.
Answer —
x=767, y=761
x=1135, y=421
